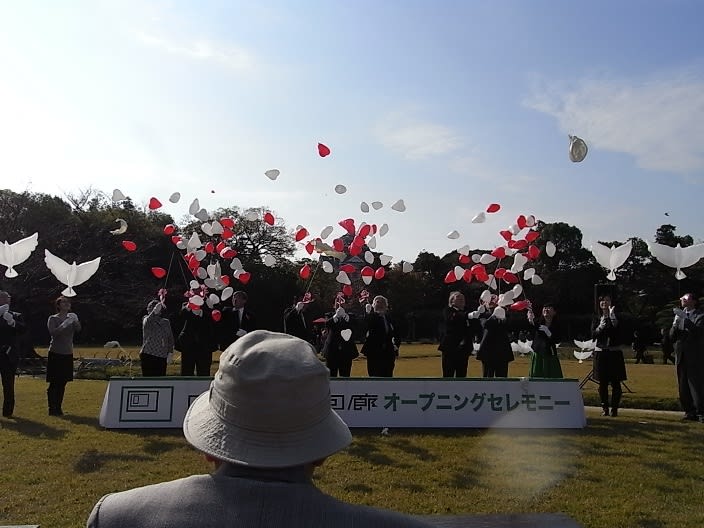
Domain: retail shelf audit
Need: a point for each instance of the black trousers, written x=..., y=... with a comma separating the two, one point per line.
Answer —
x=454, y=364
x=55, y=395
x=196, y=363
x=380, y=367
x=7, y=374
x=339, y=366
x=616, y=392
x=690, y=382
x=152, y=366
x=495, y=369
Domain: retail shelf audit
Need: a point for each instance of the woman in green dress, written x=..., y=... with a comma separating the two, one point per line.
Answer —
x=544, y=362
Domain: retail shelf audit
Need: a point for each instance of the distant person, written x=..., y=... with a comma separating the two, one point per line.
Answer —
x=11, y=327
x=609, y=367
x=265, y=424
x=339, y=348
x=688, y=336
x=295, y=321
x=544, y=361
x=62, y=326
x=380, y=343
x=456, y=345
x=495, y=351
x=196, y=341
x=236, y=320
x=666, y=346
x=639, y=346
x=157, y=341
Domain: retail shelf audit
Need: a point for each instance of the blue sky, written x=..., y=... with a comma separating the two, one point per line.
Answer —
x=447, y=105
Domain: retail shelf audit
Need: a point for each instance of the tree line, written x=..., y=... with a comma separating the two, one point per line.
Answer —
x=111, y=303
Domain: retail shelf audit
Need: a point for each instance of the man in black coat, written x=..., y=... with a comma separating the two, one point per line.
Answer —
x=235, y=321
x=11, y=325
x=295, y=322
x=688, y=335
x=381, y=343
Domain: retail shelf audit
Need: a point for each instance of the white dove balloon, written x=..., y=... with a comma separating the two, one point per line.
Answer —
x=70, y=274
x=677, y=257
x=480, y=218
x=17, y=253
x=399, y=206
x=454, y=234
x=612, y=258
x=121, y=229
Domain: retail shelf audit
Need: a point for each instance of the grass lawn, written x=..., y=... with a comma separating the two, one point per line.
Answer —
x=641, y=469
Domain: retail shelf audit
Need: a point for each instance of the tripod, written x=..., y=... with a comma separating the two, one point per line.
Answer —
x=590, y=377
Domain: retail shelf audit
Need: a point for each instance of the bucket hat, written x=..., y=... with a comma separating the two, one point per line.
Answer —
x=268, y=406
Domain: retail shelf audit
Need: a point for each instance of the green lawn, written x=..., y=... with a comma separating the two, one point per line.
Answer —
x=638, y=470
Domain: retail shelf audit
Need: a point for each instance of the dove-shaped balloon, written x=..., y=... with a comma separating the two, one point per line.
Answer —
x=17, y=253
x=677, y=257
x=612, y=258
x=586, y=348
x=70, y=274
x=121, y=229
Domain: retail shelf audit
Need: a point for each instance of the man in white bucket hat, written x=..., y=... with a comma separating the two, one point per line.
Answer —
x=265, y=423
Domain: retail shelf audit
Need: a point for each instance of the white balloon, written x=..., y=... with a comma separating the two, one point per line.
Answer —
x=194, y=207
x=452, y=235
x=251, y=215
x=369, y=257
x=216, y=228
x=578, y=149
x=479, y=218
x=517, y=290
x=505, y=298
x=377, y=205
x=385, y=259
x=213, y=299
x=207, y=229
x=514, y=229
x=399, y=206
x=227, y=293
x=269, y=260
x=181, y=244
x=200, y=254
x=346, y=334
x=211, y=268
x=201, y=273
x=476, y=257
x=485, y=296
x=121, y=229
x=491, y=281
x=364, y=206
x=272, y=174
x=530, y=221
x=342, y=278
x=527, y=274
x=340, y=189
x=236, y=264
x=327, y=267
x=367, y=279
x=371, y=243
x=459, y=272
x=175, y=197
x=519, y=260
x=210, y=283
x=550, y=248
x=326, y=232
x=464, y=250
x=406, y=267
x=535, y=279
x=196, y=299
x=499, y=313
x=117, y=196
x=487, y=258
x=194, y=284
x=383, y=229
x=202, y=215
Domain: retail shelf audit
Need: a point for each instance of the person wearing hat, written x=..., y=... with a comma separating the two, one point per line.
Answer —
x=157, y=341
x=688, y=336
x=265, y=424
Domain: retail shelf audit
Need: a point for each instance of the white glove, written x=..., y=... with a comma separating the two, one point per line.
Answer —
x=4, y=309
x=339, y=314
x=473, y=315
x=544, y=329
x=368, y=308
x=241, y=332
x=679, y=312
x=481, y=309
x=678, y=322
x=72, y=316
x=299, y=306
x=7, y=316
x=499, y=313
x=157, y=309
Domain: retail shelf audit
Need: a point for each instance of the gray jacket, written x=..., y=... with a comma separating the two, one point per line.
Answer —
x=239, y=497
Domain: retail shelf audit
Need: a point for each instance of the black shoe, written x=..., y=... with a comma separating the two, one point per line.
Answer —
x=614, y=412
x=605, y=412
x=55, y=412
x=690, y=418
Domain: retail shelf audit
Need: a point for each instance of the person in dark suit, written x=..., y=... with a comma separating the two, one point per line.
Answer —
x=688, y=336
x=495, y=351
x=235, y=321
x=381, y=343
x=339, y=348
x=457, y=343
x=295, y=321
x=11, y=326
x=609, y=367
x=196, y=341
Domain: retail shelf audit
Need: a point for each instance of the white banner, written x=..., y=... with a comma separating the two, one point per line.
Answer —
x=374, y=402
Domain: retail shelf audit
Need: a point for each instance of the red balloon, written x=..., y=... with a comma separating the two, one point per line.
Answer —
x=347, y=268
x=338, y=244
x=193, y=307
x=227, y=222
x=348, y=225
x=301, y=234
x=323, y=150
x=374, y=229
x=310, y=247
x=154, y=203
x=521, y=222
x=347, y=290
x=244, y=277
x=216, y=315
x=225, y=279
x=379, y=273
x=450, y=277
x=506, y=234
x=366, y=271
x=269, y=218
x=533, y=252
x=355, y=250
x=159, y=273
x=499, y=272
x=520, y=305
x=479, y=271
x=221, y=245
x=532, y=235
x=467, y=275
x=509, y=277
x=492, y=208
x=209, y=247
x=464, y=259
x=169, y=229
x=365, y=230
x=304, y=272
x=520, y=244
x=176, y=239
x=499, y=252
x=228, y=253
x=227, y=234
x=129, y=245
x=358, y=241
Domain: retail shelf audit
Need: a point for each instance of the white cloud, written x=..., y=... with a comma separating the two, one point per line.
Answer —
x=237, y=59
x=414, y=139
x=660, y=121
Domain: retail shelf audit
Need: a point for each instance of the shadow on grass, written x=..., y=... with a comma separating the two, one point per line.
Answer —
x=34, y=429
x=358, y=488
x=367, y=450
x=93, y=460
x=83, y=420
x=409, y=448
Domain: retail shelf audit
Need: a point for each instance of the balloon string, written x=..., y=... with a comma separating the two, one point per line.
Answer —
x=310, y=282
